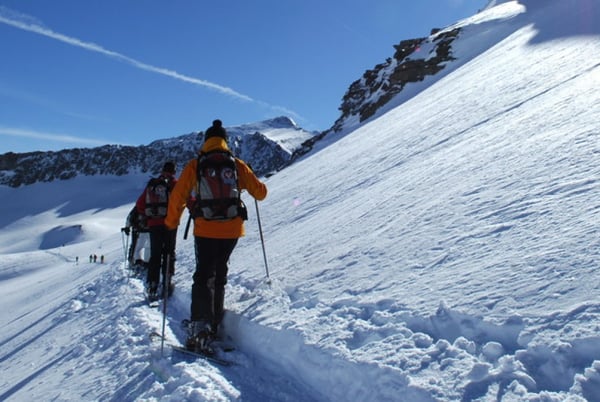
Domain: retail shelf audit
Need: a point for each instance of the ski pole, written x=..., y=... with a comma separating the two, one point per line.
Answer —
x=124, y=243
x=166, y=280
x=187, y=227
x=262, y=241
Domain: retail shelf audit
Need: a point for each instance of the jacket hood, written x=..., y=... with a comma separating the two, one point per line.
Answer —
x=213, y=144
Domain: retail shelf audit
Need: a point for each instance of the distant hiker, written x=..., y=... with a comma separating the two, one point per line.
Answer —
x=102, y=259
x=77, y=260
x=95, y=257
x=153, y=204
x=218, y=223
x=91, y=258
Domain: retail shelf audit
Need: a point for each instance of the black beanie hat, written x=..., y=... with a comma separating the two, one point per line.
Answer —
x=216, y=130
x=169, y=167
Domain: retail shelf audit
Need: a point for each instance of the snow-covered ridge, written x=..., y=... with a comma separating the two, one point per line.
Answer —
x=268, y=146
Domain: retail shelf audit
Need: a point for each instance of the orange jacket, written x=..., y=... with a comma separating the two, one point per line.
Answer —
x=231, y=229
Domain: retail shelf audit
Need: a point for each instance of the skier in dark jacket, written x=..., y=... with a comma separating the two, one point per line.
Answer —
x=162, y=241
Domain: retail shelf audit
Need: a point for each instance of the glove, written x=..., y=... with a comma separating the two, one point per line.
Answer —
x=191, y=202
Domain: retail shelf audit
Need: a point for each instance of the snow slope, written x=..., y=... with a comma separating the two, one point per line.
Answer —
x=447, y=250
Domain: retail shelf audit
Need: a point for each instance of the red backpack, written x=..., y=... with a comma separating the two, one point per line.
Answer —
x=218, y=194
x=157, y=197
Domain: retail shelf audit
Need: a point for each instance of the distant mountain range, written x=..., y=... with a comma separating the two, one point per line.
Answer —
x=268, y=146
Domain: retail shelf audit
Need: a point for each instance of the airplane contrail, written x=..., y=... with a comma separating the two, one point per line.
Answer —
x=38, y=29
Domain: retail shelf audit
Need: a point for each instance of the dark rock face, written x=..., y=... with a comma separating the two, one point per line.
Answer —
x=378, y=86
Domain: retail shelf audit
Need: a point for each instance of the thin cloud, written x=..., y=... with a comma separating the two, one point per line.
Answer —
x=26, y=23
x=26, y=133
x=46, y=103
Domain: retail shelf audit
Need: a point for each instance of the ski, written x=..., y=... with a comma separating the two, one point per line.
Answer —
x=222, y=343
x=210, y=358
x=182, y=350
x=152, y=303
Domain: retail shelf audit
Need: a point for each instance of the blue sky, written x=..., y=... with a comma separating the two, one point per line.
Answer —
x=87, y=73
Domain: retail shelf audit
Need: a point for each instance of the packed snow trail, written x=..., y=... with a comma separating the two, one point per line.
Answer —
x=92, y=318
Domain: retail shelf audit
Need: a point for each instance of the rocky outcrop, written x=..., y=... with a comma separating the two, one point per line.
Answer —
x=378, y=86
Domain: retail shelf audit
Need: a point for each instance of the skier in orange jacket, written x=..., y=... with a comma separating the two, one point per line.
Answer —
x=214, y=240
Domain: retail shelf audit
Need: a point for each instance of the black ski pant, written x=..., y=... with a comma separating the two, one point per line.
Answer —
x=210, y=278
x=162, y=243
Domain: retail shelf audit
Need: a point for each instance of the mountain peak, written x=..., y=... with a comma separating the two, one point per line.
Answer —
x=281, y=122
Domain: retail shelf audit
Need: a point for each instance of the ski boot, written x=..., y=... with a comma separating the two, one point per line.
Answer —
x=152, y=292
x=200, y=336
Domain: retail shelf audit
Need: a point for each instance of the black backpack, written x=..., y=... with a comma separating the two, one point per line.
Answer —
x=137, y=221
x=218, y=194
x=157, y=197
